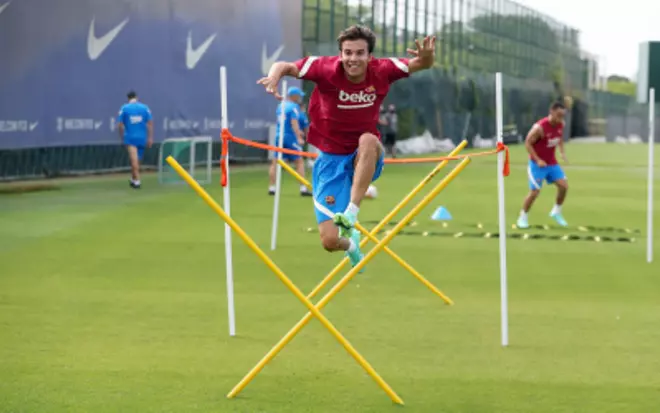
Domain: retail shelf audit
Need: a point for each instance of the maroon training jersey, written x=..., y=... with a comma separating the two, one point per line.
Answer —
x=339, y=110
x=552, y=135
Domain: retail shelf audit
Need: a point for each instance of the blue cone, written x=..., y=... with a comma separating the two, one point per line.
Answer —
x=441, y=214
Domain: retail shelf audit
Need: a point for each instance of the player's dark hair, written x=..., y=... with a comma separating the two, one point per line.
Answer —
x=358, y=32
x=557, y=105
x=131, y=94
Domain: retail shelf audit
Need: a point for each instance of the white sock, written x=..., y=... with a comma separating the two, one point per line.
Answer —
x=135, y=181
x=523, y=214
x=303, y=188
x=352, y=209
x=556, y=209
x=271, y=188
x=352, y=247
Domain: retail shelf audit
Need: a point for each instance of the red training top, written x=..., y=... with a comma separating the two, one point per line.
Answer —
x=552, y=135
x=340, y=111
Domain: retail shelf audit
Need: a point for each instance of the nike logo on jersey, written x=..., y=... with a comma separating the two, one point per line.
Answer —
x=4, y=6
x=268, y=61
x=193, y=56
x=97, y=45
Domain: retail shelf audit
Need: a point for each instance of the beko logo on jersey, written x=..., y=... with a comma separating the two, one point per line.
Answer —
x=358, y=100
x=553, y=142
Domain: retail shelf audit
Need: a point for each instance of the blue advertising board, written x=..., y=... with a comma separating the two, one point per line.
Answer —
x=67, y=65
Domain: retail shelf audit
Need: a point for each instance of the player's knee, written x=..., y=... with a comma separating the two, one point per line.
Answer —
x=369, y=142
x=562, y=185
x=534, y=193
x=330, y=242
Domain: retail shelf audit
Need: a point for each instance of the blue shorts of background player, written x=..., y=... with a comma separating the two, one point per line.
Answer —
x=332, y=180
x=536, y=174
x=139, y=145
x=552, y=174
x=289, y=142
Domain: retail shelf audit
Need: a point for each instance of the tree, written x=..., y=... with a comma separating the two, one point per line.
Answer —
x=621, y=85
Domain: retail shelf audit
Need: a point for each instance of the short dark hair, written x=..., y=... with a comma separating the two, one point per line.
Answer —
x=358, y=32
x=557, y=105
x=131, y=94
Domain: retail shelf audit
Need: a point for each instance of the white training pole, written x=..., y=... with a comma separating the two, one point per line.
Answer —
x=225, y=198
x=278, y=173
x=500, y=203
x=649, y=212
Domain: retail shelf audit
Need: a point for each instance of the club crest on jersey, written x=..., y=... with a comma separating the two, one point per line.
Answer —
x=358, y=100
x=330, y=200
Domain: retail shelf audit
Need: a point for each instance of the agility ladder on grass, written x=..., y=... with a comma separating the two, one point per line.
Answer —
x=314, y=310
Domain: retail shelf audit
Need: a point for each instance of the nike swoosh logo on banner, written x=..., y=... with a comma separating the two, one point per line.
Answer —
x=4, y=6
x=97, y=45
x=193, y=56
x=268, y=61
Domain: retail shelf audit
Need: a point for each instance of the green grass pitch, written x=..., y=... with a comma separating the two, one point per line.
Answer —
x=113, y=300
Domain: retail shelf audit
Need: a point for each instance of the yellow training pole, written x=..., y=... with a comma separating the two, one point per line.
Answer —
x=389, y=217
x=287, y=282
x=346, y=279
x=375, y=240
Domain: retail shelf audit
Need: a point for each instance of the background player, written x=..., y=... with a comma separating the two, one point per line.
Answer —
x=343, y=110
x=293, y=136
x=137, y=132
x=391, y=127
x=541, y=142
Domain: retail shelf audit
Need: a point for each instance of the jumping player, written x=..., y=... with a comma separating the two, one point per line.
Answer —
x=343, y=111
x=546, y=135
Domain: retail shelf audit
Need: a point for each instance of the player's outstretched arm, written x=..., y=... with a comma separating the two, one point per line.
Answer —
x=424, y=55
x=276, y=72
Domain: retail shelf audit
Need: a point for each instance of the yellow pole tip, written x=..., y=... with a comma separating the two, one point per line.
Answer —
x=425, y=234
x=445, y=225
x=310, y=229
x=480, y=225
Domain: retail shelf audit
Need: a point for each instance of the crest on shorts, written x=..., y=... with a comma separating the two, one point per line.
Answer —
x=330, y=200
x=370, y=89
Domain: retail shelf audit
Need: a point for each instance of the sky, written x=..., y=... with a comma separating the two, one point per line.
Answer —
x=612, y=31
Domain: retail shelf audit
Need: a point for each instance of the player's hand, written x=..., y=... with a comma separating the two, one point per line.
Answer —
x=541, y=163
x=425, y=50
x=271, y=85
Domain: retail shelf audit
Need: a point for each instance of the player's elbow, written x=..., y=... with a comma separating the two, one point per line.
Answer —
x=290, y=69
x=284, y=68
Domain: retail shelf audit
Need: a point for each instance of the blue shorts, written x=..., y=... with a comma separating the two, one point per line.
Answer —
x=293, y=144
x=139, y=144
x=332, y=179
x=536, y=175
